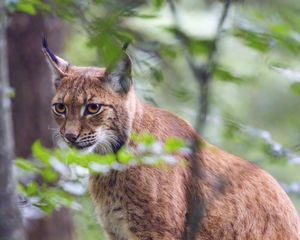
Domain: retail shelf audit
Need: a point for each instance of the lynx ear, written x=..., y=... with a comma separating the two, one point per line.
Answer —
x=119, y=75
x=57, y=65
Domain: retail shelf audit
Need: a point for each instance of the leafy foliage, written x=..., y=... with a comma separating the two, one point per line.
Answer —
x=57, y=172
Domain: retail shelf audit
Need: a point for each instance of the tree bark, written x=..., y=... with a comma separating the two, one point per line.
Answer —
x=10, y=219
x=30, y=77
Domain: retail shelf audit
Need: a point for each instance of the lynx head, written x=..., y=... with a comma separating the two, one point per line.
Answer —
x=92, y=106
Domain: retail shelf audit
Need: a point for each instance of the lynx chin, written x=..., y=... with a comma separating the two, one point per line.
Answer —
x=97, y=110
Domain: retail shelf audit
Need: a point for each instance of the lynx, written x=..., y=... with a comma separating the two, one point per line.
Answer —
x=97, y=110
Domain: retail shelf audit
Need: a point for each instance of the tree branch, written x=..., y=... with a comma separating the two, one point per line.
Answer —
x=203, y=75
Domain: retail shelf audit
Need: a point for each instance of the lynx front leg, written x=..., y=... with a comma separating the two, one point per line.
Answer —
x=155, y=211
x=152, y=227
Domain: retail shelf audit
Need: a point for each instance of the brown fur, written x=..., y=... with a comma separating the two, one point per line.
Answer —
x=237, y=199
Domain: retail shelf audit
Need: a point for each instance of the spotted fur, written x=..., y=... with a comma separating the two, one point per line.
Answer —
x=235, y=199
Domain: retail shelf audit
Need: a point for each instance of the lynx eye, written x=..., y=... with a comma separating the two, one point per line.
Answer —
x=92, y=108
x=59, y=108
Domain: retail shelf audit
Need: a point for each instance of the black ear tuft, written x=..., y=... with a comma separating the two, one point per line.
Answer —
x=45, y=46
x=57, y=65
x=120, y=74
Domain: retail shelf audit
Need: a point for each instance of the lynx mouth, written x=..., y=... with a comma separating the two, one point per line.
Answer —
x=105, y=143
x=82, y=146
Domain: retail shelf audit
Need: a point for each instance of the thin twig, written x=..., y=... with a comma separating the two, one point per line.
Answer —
x=205, y=72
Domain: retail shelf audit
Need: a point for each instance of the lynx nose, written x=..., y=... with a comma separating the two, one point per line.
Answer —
x=71, y=137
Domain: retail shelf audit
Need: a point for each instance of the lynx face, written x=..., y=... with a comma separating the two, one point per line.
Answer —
x=91, y=105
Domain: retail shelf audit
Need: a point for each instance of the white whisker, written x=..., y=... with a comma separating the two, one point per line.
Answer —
x=106, y=141
x=56, y=135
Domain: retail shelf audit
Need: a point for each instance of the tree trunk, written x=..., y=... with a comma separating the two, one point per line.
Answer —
x=30, y=77
x=10, y=219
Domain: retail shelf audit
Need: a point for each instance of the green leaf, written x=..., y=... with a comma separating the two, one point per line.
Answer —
x=26, y=8
x=73, y=157
x=32, y=189
x=40, y=152
x=147, y=139
x=144, y=138
x=26, y=165
x=107, y=159
x=224, y=75
x=49, y=175
x=257, y=40
x=124, y=156
x=157, y=75
x=53, y=198
x=174, y=144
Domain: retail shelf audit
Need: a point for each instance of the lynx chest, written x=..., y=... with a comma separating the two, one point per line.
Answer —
x=111, y=202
